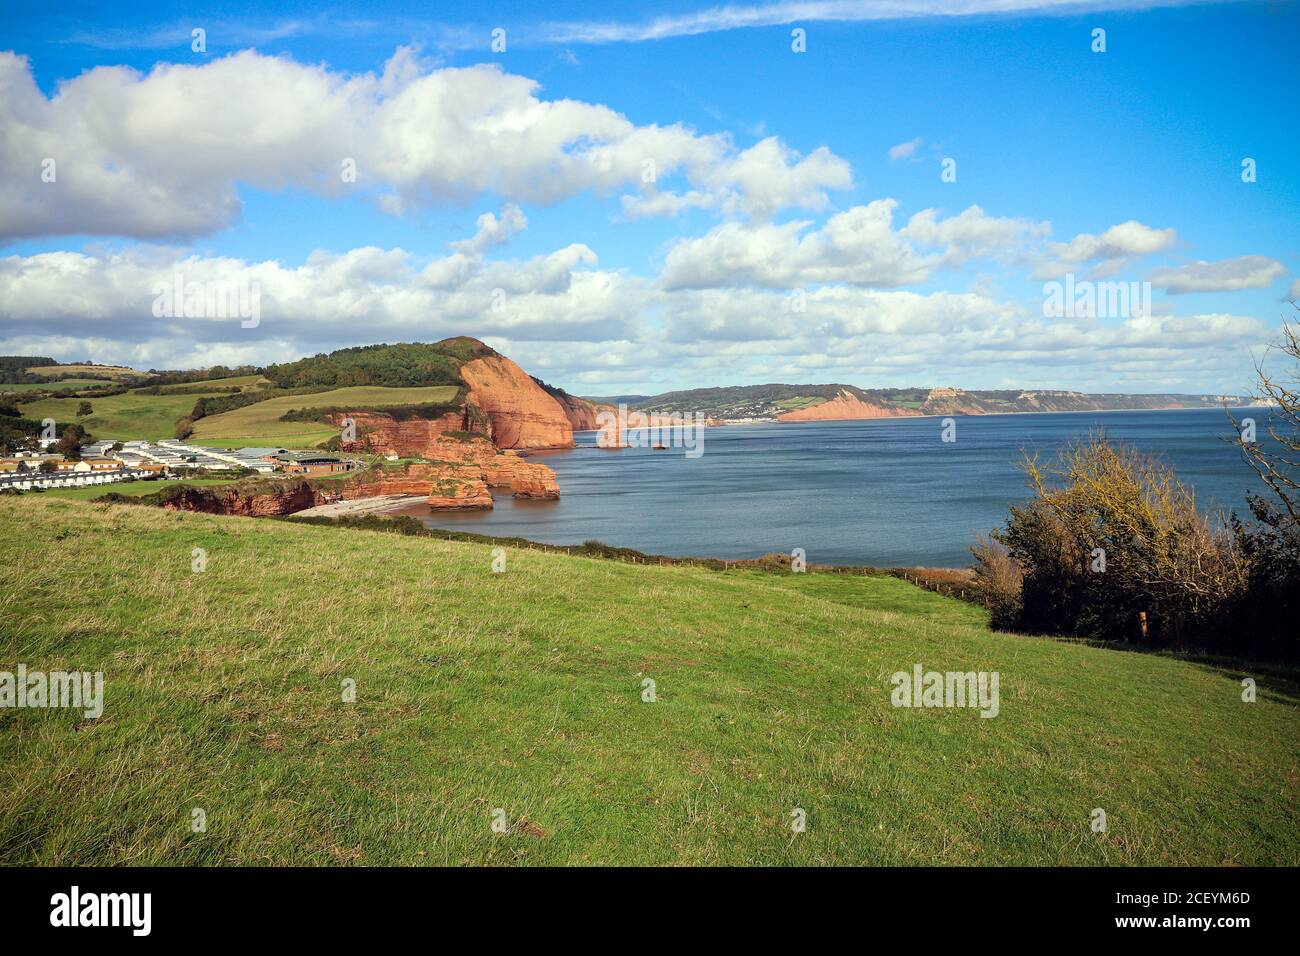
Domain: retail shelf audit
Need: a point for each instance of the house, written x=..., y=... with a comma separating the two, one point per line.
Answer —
x=311, y=463
x=101, y=464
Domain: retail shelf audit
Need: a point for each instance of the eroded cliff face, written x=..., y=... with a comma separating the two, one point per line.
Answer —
x=522, y=414
x=249, y=501
x=460, y=456
x=525, y=479
x=445, y=485
x=409, y=438
x=845, y=407
x=580, y=412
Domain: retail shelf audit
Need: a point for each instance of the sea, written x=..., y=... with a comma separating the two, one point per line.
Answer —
x=886, y=492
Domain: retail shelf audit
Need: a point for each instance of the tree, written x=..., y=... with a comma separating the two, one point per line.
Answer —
x=1279, y=463
x=48, y=467
x=85, y=409
x=69, y=443
x=1113, y=538
x=1271, y=544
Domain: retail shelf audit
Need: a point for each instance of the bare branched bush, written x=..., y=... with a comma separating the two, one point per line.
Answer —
x=997, y=582
x=1278, y=462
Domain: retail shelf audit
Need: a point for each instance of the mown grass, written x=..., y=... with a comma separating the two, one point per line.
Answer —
x=260, y=424
x=134, y=489
x=523, y=691
x=126, y=417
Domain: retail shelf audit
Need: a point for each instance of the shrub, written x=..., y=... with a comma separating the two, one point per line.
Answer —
x=1112, y=534
x=997, y=583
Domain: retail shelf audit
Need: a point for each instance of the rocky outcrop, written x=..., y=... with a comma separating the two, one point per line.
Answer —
x=409, y=438
x=445, y=485
x=256, y=500
x=525, y=479
x=520, y=412
x=845, y=407
x=472, y=461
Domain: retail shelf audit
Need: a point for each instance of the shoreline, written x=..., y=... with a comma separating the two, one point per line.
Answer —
x=358, y=507
x=722, y=422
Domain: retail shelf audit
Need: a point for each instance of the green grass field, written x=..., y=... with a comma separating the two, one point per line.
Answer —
x=69, y=383
x=259, y=424
x=131, y=415
x=522, y=692
x=245, y=382
x=132, y=489
x=119, y=372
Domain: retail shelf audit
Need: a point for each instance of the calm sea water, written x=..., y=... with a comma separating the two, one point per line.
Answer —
x=883, y=493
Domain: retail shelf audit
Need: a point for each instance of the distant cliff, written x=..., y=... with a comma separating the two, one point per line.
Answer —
x=802, y=403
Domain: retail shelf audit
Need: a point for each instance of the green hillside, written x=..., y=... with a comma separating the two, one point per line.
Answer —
x=404, y=365
x=260, y=424
x=522, y=692
x=131, y=415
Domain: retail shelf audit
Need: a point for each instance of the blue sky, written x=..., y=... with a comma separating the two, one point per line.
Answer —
x=775, y=179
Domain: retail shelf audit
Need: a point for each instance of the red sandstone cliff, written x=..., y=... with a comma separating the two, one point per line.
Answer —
x=843, y=407
x=431, y=439
x=446, y=485
x=252, y=501
x=521, y=412
x=409, y=438
x=581, y=413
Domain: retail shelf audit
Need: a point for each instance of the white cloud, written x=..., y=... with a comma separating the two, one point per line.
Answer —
x=735, y=17
x=569, y=320
x=493, y=231
x=1108, y=252
x=904, y=150
x=1226, y=275
x=159, y=154
x=972, y=234
x=858, y=246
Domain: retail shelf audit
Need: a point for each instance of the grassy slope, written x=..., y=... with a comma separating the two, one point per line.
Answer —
x=245, y=382
x=260, y=425
x=132, y=489
x=68, y=383
x=522, y=691
x=119, y=372
x=124, y=417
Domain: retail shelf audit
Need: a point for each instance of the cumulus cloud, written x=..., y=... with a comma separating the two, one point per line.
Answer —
x=564, y=317
x=1226, y=275
x=1106, y=253
x=858, y=246
x=160, y=154
x=972, y=234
